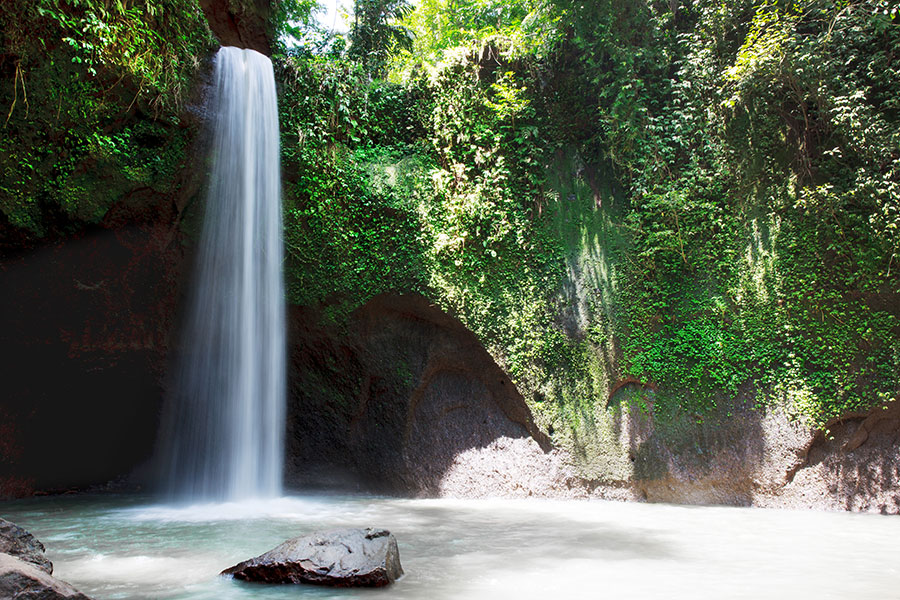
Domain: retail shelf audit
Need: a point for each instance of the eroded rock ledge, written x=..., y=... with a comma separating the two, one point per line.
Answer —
x=407, y=401
x=854, y=466
x=396, y=397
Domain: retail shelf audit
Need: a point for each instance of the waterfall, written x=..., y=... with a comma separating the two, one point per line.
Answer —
x=226, y=415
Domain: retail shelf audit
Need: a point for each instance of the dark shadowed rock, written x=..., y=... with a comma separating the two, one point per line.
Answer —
x=344, y=558
x=395, y=397
x=24, y=581
x=99, y=307
x=242, y=24
x=20, y=544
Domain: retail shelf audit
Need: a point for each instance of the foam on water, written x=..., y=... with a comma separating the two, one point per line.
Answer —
x=278, y=508
x=141, y=569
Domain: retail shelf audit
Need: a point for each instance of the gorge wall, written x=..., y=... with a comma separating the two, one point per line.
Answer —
x=84, y=335
x=681, y=279
x=492, y=291
x=97, y=202
x=395, y=396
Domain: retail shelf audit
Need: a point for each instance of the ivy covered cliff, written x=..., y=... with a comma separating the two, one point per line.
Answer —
x=686, y=209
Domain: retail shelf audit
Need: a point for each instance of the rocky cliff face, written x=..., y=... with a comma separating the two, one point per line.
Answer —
x=244, y=25
x=98, y=178
x=84, y=334
x=403, y=399
x=394, y=397
x=853, y=465
x=761, y=458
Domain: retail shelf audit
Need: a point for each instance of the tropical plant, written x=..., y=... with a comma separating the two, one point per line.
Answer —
x=377, y=33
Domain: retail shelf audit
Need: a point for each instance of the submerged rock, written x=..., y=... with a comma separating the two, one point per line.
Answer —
x=343, y=558
x=20, y=544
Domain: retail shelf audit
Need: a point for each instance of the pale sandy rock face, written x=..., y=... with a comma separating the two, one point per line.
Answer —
x=855, y=466
x=511, y=467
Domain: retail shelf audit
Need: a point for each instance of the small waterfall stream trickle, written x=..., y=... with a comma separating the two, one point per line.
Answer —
x=226, y=415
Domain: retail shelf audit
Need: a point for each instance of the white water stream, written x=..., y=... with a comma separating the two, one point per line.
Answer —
x=118, y=548
x=223, y=436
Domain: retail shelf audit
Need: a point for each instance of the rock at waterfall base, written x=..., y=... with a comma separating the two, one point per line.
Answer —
x=20, y=544
x=19, y=579
x=25, y=573
x=343, y=558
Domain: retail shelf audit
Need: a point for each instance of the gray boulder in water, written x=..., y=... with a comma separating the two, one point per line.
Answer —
x=22, y=580
x=344, y=558
x=17, y=542
x=25, y=573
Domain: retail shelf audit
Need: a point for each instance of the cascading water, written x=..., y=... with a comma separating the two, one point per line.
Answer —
x=226, y=416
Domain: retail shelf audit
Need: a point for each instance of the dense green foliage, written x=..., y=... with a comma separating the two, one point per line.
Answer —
x=338, y=229
x=761, y=151
x=92, y=92
x=438, y=26
x=703, y=200
x=376, y=33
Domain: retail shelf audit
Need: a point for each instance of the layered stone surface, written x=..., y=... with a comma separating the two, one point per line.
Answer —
x=344, y=558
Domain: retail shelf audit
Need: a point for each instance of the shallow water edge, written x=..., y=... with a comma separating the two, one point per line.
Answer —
x=113, y=547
